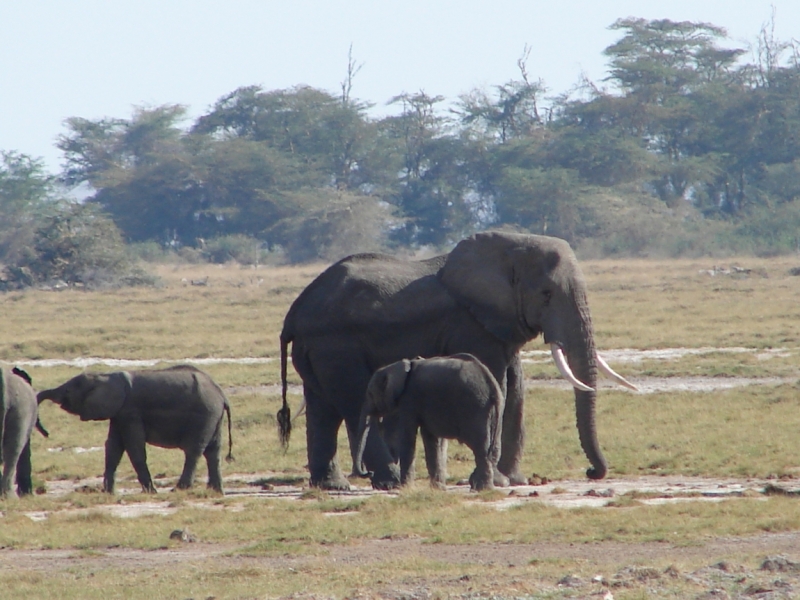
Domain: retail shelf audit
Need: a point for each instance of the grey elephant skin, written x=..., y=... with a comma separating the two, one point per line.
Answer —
x=18, y=416
x=488, y=297
x=179, y=407
x=452, y=397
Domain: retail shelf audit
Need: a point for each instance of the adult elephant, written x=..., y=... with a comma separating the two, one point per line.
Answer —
x=493, y=293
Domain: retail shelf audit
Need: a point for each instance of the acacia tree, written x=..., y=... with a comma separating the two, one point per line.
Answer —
x=664, y=68
x=515, y=110
x=142, y=171
x=432, y=190
x=329, y=136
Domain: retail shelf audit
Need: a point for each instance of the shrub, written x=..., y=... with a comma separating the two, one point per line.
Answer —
x=77, y=246
x=243, y=249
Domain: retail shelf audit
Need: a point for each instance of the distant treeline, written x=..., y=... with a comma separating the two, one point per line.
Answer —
x=688, y=147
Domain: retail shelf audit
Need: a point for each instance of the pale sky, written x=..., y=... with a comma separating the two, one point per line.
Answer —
x=100, y=58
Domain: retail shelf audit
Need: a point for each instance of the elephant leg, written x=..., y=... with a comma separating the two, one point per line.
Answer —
x=24, y=471
x=133, y=438
x=114, y=451
x=435, y=457
x=191, y=456
x=482, y=477
x=322, y=429
x=7, y=479
x=407, y=451
x=513, y=428
x=10, y=452
x=212, y=456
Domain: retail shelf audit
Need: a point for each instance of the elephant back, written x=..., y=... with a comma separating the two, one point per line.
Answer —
x=14, y=386
x=366, y=290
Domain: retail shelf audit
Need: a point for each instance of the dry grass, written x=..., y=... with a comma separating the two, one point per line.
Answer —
x=747, y=431
x=668, y=304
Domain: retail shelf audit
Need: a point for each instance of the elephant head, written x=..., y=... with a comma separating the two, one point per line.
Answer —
x=383, y=393
x=521, y=286
x=91, y=396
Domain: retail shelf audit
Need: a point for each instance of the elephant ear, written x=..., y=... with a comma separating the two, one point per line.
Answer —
x=105, y=399
x=480, y=274
x=395, y=379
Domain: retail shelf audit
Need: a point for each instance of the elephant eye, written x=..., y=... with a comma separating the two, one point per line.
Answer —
x=547, y=294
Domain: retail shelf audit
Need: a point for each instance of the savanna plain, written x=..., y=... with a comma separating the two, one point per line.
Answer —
x=701, y=500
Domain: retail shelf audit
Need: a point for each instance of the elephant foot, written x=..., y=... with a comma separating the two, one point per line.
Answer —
x=516, y=477
x=479, y=484
x=339, y=484
x=438, y=485
x=388, y=477
x=501, y=480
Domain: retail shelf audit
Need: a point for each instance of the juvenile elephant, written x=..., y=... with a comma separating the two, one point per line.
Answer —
x=179, y=407
x=451, y=397
x=488, y=297
x=18, y=416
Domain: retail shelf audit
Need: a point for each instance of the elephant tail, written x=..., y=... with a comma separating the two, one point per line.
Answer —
x=230, y=457
x=284, y=416
x=40, y=428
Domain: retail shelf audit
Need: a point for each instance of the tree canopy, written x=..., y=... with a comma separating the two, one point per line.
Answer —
x=685, y=146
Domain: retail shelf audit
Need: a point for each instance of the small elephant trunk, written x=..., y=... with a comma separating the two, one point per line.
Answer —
x=48, y=395
x=363, y=433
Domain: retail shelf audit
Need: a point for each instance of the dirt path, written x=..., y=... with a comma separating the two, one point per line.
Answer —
x=376, y=551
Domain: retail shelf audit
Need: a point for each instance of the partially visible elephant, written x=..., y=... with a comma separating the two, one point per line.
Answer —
x=19, y=414
x=492, y=294
x=452, y=397
x=179, y=407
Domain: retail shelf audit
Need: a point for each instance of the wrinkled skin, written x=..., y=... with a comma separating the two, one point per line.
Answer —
x=18, y=416
x=493, y=293
x=454, y=397
x=180, y=407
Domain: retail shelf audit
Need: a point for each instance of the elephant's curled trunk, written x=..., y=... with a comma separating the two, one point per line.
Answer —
x=584, y=366
x=583, y=360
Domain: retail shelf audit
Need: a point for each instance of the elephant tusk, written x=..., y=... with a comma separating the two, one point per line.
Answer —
x=613, y=375
x=566, y=372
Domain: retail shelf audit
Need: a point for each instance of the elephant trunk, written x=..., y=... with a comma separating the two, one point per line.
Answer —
x=363, y=432
x=582, y=358
x=48, y=395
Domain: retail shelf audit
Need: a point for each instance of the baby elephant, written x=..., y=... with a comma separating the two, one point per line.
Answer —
x=18, y=416
x=452, y=397
x=179, y=407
